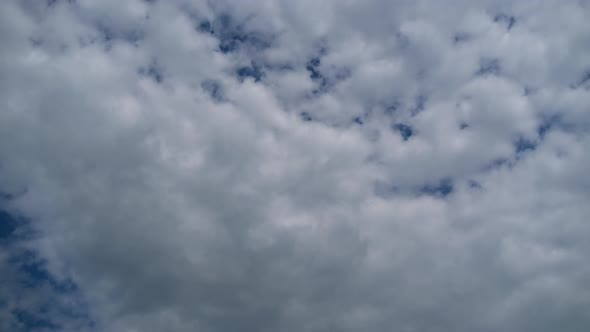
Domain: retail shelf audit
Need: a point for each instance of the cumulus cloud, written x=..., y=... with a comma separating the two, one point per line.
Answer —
x=294, y=165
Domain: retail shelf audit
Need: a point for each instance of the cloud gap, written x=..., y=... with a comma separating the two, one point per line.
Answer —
x=405, y=131
x=507, y=20
x=442, y=188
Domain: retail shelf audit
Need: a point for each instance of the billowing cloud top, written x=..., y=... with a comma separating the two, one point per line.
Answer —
x=285, y=166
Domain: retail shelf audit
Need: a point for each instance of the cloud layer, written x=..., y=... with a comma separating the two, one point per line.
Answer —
x=295, y=165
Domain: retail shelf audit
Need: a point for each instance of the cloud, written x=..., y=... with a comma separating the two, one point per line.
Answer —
x=296, y=166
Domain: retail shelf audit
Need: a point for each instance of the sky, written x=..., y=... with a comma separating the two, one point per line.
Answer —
x=294, y=166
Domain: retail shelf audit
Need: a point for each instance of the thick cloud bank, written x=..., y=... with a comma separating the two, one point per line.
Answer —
x=287, y=166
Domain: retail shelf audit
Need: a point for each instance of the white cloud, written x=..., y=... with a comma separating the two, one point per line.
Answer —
x=179, y=196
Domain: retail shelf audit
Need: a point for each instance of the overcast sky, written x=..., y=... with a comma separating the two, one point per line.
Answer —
x=295, y=166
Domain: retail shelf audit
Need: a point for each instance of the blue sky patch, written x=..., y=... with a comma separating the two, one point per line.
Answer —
x=7, y=225
x=404, y=130
x=488, y=67
x=233, y=36
x=443, y=188
x=548, y=124
x=205, y=27
x=305, y=116
x=522, y=145
x=392, y=108
x=153, y=71
x=28, y=276
x=508, y=20
x=474, y=184
x=313, y=67
x=253, y=71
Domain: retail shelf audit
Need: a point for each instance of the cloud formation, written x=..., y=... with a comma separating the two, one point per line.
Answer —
x=295, y=165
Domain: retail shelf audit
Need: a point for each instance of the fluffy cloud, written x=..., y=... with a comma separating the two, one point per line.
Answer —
x=296, y=166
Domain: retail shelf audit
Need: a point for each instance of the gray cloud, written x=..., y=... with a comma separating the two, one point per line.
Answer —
x=223, y=166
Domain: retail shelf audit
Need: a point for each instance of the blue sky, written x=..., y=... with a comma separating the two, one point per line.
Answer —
x=294, y=165
x=32, y=298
